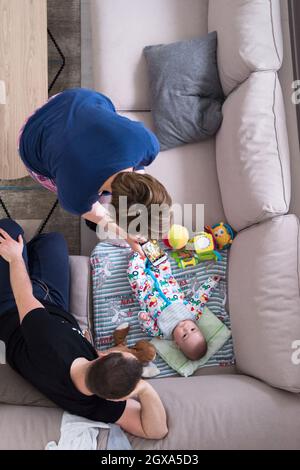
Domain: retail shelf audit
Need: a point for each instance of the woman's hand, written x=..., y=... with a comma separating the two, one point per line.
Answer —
x=99, y=215
x=134, y=242
x=10, y=249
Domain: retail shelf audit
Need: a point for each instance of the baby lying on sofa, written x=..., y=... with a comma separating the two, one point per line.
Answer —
x=165, y=310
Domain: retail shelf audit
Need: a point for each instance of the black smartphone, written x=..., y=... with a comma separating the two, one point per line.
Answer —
x=154, y=253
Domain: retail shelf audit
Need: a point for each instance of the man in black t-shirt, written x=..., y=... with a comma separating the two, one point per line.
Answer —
x=45, y=344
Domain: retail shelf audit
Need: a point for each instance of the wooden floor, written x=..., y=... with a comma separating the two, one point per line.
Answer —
x=23, y=71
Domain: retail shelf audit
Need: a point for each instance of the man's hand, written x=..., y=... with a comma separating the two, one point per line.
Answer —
x=139, y=389
x=10, y=249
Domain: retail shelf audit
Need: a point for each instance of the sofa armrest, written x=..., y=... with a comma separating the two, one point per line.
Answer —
x=80, y=290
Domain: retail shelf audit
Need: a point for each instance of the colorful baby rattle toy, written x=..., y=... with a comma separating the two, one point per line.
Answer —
x=222, y=233
x=202, y=247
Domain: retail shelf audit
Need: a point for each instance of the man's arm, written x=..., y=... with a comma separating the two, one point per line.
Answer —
x=147, y=417
x=11, y=250
x=22, y=288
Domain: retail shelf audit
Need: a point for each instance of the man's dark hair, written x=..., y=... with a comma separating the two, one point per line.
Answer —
x=113, y=376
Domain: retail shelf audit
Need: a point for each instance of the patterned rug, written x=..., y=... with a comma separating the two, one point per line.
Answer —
x=114, y=303
x=29, y=204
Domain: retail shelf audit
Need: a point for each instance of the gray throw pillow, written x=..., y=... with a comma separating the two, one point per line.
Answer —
x=185, y=90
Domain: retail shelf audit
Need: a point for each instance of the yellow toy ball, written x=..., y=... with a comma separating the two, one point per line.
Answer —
x=178, y=236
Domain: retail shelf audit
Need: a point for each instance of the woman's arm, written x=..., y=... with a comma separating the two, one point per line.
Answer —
x=96, y=214
x=101, y=217
x=147, y=417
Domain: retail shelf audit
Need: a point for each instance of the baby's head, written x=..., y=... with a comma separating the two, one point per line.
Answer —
x=190, y=339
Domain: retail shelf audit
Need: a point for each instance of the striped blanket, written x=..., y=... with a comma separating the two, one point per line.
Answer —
x=114, y=302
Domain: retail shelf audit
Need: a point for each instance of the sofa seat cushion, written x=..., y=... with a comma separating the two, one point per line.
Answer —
x=15, y=390
x=28, y=427
x=225, y=412
x=189, y=173
x=249, y=38
x=252, y=152
x=204, y=413
x=121, y=29
x=264, y=301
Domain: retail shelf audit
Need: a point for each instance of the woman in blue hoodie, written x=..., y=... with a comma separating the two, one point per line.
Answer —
x=79, y=147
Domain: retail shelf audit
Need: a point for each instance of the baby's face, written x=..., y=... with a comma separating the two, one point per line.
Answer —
x=189, y=339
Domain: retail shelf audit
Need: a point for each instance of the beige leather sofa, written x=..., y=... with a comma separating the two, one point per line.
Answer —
x=244, y=176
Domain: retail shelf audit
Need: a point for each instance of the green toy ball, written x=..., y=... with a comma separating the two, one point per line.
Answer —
x=178, y=236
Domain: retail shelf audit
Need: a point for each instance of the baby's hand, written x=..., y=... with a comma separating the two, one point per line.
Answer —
x=143, y=316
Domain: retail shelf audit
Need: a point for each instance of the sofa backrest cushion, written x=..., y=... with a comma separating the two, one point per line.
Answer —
x=249, y=38
x=14, y=390
x=264, y=301
x=252, y=152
